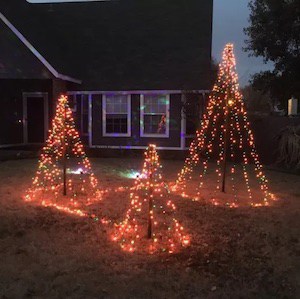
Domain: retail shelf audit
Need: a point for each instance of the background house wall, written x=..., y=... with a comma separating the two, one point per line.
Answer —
x=11, y=112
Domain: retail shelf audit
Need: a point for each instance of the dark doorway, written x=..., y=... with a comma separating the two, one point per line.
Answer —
x=35, y=119
x=35, y=113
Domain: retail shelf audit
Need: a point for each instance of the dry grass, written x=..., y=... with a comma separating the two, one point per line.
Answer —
x=235, y=253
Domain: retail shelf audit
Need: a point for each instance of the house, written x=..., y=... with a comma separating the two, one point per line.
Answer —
x=136, y=71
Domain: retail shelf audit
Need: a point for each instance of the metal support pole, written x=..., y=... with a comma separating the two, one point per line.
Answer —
x=150, y=214
x=225, y=146
x=65, y=154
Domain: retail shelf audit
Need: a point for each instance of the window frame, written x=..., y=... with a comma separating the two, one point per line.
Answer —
x=128, y=134
x=73, y=107
x=142, y=114
x=199, y=114
x=186, y=133
x=82, y=99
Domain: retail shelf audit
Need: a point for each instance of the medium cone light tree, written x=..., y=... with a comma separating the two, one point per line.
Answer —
x=64, y=178
x=150, y=223
x=225, y=137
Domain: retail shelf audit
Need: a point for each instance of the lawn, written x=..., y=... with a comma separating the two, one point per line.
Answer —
x=235, y=252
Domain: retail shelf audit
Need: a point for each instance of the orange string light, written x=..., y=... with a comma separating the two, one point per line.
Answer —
x=48, y=184
x=225, y=104
x=150, y=196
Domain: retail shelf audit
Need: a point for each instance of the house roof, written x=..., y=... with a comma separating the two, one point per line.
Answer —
x=121, y=45
x=16, y=61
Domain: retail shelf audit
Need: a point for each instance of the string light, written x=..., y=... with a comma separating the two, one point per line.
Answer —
x=150, y=219
x=55, y=185
x=226, y=121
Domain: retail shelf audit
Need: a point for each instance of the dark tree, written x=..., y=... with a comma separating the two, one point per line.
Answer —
x=274, y=34
x=256, y=101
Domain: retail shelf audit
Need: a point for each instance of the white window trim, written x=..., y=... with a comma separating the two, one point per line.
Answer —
x=128, y=134
x=142, y=107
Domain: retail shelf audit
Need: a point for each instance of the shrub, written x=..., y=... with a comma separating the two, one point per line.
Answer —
x=289, y=147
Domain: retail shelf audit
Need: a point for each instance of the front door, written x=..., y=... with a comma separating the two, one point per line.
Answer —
x=36, y=117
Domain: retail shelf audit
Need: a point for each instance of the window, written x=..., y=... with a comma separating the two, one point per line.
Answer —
x=116, y=115
x=155, y=115
x=79, y=104
x=84, y=115
x=193, y=113
x=192, y=119
x=72, y=100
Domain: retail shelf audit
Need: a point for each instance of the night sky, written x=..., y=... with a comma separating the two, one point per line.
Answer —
x=230, y=17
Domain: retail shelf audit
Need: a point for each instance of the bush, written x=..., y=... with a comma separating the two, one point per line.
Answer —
x=289, y=147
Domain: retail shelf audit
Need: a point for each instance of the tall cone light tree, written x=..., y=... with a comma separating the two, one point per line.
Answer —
x=225, y=136
x=149, y=223
x=64, y=178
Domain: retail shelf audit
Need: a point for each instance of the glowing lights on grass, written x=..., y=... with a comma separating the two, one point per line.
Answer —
x=149, y=222
x=225, y=135
x=55, y=185
x=130, y=174
x=77, y=171
x=67, y=210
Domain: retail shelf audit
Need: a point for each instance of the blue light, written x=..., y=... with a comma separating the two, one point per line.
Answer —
x=130, y=174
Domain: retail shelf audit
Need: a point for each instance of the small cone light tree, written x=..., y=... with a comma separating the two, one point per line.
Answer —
x=225, y=136
x=64, y=178
x=150, y=222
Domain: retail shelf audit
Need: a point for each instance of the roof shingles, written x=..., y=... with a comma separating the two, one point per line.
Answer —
x=121, y=45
